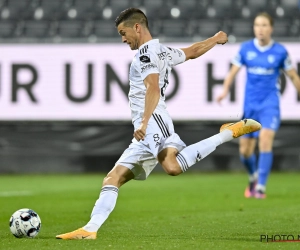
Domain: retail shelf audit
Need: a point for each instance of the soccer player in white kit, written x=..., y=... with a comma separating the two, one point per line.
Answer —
x=154, y=137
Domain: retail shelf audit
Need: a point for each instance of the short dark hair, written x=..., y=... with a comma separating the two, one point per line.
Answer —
x=266, y=15
x=132, y=16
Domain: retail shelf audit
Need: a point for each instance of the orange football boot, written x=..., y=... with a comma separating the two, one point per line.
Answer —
x=79, y=234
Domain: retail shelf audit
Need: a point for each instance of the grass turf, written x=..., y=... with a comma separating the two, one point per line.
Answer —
x=192, y=211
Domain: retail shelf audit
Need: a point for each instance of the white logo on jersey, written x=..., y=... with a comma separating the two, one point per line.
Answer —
x=261, y=71
x=251, y=55
x=271, y=58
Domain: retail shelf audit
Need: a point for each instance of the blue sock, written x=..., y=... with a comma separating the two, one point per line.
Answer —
x=250, y=163
x=264, y=167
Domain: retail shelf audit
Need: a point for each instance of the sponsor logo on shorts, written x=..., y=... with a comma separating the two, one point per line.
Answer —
x=274, y=123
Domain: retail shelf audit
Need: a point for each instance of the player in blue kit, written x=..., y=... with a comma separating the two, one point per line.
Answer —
x=263, y=59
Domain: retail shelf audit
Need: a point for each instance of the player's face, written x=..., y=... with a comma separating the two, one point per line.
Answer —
x=262, y=28
x=129, y=36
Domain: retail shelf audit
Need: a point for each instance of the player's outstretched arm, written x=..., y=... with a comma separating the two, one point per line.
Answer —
x=228, y=81
x=295, y=78
x=199, y=48
x=151, y=100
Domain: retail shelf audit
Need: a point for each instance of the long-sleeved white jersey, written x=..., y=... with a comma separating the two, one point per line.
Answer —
x=152, y=57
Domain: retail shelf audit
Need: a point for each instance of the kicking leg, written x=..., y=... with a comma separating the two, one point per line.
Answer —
x=118, y=176
x=175, y=163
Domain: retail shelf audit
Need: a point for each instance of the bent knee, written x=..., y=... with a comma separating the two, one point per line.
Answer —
x=246, y=150
x=118, y=176
x=246, y=153
x=109, y=180
x=265, y=144
x=172, y=170
x=113, y=179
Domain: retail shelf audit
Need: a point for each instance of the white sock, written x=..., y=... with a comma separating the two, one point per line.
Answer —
x=198, y=151
x=260, y=187
x=103, y=207
x=226, y=135
x=253, y=177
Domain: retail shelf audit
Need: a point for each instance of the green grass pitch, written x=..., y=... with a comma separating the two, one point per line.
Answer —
x=191, y=211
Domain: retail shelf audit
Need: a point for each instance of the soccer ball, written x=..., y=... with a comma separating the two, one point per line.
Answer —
x=25, y=223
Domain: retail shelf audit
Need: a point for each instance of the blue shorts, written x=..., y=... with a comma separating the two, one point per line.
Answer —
x=269, y=118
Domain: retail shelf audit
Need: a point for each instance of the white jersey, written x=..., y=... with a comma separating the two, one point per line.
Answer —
x=152, y=57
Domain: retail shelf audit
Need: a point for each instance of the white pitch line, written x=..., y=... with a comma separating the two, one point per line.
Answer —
x=15, y=193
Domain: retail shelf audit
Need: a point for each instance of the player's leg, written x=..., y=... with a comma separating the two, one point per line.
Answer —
x=266, y=139
x=118, y=176
x=248, y=158
x=168, y=160
x=269, y=117
x=175, y=163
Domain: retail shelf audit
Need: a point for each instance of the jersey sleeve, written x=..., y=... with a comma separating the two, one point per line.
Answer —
x=287, y=62
x=148, y=63
x=176, y=56
x=238, y=60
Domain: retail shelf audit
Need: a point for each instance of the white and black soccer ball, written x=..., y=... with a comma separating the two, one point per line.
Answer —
x=25, y=223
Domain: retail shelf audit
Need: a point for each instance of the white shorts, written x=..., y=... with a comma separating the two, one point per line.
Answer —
x=141, y=157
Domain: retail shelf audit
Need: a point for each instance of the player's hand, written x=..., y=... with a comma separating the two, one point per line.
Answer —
x=221, y=37
x=140, y=133
x=221, y=97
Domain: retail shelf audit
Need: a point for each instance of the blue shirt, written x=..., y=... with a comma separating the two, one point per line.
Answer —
x=263, y=65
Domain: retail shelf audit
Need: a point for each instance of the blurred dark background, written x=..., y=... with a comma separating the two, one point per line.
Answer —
x=92, y=20
x=92, y=146
x=47, y=147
